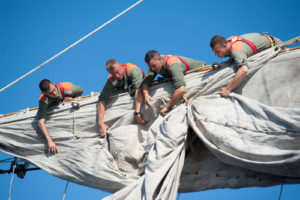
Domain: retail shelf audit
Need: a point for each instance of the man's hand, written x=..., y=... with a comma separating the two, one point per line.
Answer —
x=147, y=100
x=177, y=95
x=239, y=76
x=102, y=130
x=225, y=92
x=163, y=111
x=139, y=119
x=52, y=147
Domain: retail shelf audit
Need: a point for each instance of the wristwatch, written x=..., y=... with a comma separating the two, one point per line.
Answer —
x=137, y=113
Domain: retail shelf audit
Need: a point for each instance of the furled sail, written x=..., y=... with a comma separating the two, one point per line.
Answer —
x=251, y=138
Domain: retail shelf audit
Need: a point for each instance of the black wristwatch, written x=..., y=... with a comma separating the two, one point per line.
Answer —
x=137, y=113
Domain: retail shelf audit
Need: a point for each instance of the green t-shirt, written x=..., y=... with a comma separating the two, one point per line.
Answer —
x=241, y=54
x=49, y=102
x=174, y=69
x=131, y=81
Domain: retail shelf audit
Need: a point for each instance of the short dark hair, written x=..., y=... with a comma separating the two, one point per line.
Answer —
x=45, y=85
x=217, y=39
x=150, y=55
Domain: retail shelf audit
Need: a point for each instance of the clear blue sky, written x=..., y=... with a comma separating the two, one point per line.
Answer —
x=32, y=31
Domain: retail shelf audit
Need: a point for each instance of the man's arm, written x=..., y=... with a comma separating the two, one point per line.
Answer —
x=176, y=96
x=240, y=59
x=145, y=86
x=137, y=79
x=103, y=99
x=102, y=127
x=139, y=98
x=136, y=76
x=239, y=76
x=146, y=95
x=41, y=117
x=52, y=148
x=177, y=72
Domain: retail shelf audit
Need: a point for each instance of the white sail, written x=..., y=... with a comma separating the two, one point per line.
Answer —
x=249, y=139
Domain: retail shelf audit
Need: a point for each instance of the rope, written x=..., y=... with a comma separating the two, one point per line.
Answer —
x=280, y=192
x=71, y=46
x=77, y=136
x=292, y=41
x=12, y=178
x=178, y=196
x=6, y=160
x=65, y=190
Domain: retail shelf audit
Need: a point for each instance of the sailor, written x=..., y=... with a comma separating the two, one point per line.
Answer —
x=239, y=48
x=53, y=95
x=122, y=76
x=168, y=66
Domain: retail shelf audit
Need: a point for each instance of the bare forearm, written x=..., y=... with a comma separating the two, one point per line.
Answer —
x=146, y=96
x=102, y=127
x=239, y=76
x=52, y=148
x=177, y=95
x=101, y=111
x=44, y=130
x=139, y=98
x=145, y=89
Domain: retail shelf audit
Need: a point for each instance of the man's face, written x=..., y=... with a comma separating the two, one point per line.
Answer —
x=220, y=50
x=155, y=64
x=117, y=72
x=52, y=92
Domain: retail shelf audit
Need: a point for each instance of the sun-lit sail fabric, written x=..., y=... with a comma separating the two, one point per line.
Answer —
x=249, y=139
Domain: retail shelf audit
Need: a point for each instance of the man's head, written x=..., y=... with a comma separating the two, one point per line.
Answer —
x=219, y=45
x=115, y=69
x=154, y=61
x=48, y=88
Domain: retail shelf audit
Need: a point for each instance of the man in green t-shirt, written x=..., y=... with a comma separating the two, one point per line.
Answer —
x=168, y=66
x=53, y=95
x=122, y=76
x=239, y=48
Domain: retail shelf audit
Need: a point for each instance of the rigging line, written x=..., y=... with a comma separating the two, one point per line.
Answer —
x=12, y=178
x=178, y=196
x=65, y=190
x=280, y=192
x=72, y=45
x=6, y=160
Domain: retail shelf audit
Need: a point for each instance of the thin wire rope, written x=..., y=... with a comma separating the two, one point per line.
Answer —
x=65, y=190
x=280, y=192
x=72, y=45
x=11, y=181
x=6, y=160
x=178, y=196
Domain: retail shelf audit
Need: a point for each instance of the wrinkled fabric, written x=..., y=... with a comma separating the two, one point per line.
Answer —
x=248, y=139
x=252, y=135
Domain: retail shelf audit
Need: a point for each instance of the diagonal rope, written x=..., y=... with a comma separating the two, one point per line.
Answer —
x=65, y=190
x=6, y=160
x=71, y=46
x=178, y=196
x=12, y=179
x=280, y=192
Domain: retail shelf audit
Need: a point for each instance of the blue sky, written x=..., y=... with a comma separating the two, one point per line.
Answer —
x=32, y=31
